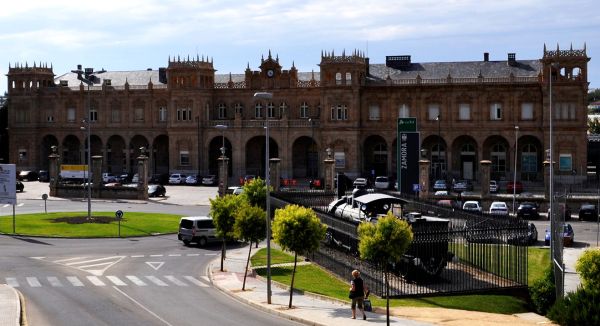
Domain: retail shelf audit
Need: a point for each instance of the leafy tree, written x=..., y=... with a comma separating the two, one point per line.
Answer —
x=594, y=126
x=255, y=193
x=222, y=210
x=297, y=229
x=588, y=267
x=593, y=96
x=384, y=243
x=250, y=226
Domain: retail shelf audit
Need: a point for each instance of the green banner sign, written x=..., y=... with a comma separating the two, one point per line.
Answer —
x=407, y=125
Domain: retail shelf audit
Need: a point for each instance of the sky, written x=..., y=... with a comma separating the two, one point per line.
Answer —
x=121, y=35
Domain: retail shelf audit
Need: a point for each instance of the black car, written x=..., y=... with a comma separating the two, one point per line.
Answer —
x=27, y=176
x=588, y=212
x=125, y=177
x=528, y=210
x=20, y=186
x=43, y=176
x=156, y=191
x=562, y=209
x=528, y=239
x=159, y=178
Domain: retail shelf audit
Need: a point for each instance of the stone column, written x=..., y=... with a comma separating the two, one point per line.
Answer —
x=275, y=173
x=96, y=175
x=329, y=170
x=223, y=175
x=54, y=170
x=143, y=175
x=485, y=177
x=423, y=178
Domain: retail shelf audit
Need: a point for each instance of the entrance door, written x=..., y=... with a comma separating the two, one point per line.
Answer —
x=468, y=170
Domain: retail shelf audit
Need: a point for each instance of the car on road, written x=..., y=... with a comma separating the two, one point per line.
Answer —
x=108, y=177
x=514, y=187
x=528, y=239
x=472, y=206
x=382, y=183
x=528, y=210
x=156, y=191
x=27, y=176
x=568, y=235
x=177, y=178
x=360, y=183
x=588, y=212
x=210, y=180
x=198, y=229
x=440, y=185
x=20, y=186
x=462, y=185
x=562, y=209
x=493, y=186
x=498, y=208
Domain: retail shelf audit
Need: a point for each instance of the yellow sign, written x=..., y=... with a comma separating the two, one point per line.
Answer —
x=73, y=167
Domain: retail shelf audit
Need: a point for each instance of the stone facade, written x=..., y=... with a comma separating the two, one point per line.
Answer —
x=466, y=112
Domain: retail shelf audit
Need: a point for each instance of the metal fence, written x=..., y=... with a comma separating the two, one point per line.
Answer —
x=470, y=253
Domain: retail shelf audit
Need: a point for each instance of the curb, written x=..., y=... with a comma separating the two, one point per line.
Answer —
x=23, y=317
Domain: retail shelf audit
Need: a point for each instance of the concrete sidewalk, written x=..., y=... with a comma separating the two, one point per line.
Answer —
x=10, y=306
x=313, y=309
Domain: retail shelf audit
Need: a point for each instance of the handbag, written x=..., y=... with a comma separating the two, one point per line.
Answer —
x=351, y=295
x=367, y=305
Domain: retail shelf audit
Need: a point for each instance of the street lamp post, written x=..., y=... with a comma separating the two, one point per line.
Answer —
x=87, y=78
x=515, y=171
x=198, y=140
x=312, y=150
x=267, y=96
x=223, y=151
x=438, y=169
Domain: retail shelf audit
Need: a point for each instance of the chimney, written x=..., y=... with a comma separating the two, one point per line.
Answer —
x=162, y=75
x=486, y=56
x=512, y=59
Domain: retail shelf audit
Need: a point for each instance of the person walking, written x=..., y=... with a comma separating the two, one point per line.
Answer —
x=357, y=294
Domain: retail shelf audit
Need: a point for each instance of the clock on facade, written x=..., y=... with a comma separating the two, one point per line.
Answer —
x=270, y=73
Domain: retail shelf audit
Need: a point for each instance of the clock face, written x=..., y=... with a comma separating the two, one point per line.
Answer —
x=270, y=73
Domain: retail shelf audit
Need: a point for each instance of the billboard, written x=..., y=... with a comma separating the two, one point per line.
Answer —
x=8, y=184
x=73, y=171
x=408, y=162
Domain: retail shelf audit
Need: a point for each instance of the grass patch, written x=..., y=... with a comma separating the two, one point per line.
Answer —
x=538, y=261
x=313, y=279
x=277, y=257
x=102, y=224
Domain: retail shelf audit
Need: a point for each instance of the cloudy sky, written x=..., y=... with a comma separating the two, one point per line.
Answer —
x=141, y=34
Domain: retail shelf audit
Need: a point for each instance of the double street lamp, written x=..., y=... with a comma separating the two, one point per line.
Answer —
x=223, y=171
x=267, y=96
x=515, y=171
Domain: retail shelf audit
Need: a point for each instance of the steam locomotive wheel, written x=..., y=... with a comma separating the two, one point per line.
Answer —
x=433, y=267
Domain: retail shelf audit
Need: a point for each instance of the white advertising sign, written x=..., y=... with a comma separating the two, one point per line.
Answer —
x=8, y=184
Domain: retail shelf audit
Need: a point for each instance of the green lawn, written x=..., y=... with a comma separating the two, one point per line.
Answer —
x=312, y=278
x=538, y=261
x=103, y=224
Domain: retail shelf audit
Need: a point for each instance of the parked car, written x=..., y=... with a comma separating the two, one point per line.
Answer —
x=360, y=183
x=440, y=185
x=161, y=178
x=514, y=187
x=493, y=186
x=382, y=183
x=449, y=203
x=177, y=178
x=441, y=193
x=472, y=206
x=156, y=191
x=527, y=239
x=209, y=180
x=562, y=209
x=20, y=186
x=125, y=178
x=462, y=185
x=108, y=177
x=135, y=178
x=588, y=212
x=43, y=176
x=499, y=208
x=198, y=229
x=193, y=179
x=568, y=235
x=528, y=210
x=27, y=176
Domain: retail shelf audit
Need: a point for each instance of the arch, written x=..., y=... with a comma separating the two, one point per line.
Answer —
x=530, y=155
x=496, y=149
x=214, y=152
x=115, y=154
x=134, y=151
x=255, y=154
x=72, y=150
x=375, y=159
x=96, y=146
x=306, y=158
x=436, y=153
x=47, y=142
x=464, y=157
x=160, y=154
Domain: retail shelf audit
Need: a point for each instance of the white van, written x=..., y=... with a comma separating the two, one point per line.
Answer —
x=198, y=229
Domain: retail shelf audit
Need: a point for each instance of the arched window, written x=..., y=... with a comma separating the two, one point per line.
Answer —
x=338, y=78
x=258, y=110
x=304, y=110
x=348, y=78
x=498, y=156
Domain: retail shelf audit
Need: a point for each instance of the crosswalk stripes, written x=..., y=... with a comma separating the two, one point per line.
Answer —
x=100, y=281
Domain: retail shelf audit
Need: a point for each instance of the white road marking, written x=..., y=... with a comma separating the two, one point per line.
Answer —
x=95, y=280
x=74, y=280
x=195, y=281
x=175, y=281
x=53, y=280
x=136, y=280
x=210, y=254
x=33, y=282
x=175, y=255
x=116, y=280
x=155, y=264
x=137, y=256
x=192, y=255
x=68, y=259
x=205, y=278
x=20, y=205
x=12, y=281
x=156, y=255
x=141, y=306
x=156, y=281
x=37, y=257
x=92, y=260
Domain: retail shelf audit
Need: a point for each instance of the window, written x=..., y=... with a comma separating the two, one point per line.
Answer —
x=282, y=107
x=184, y=158
x=258, y=110
x=374, y=113
x=270, y=110
x=50, y=118
x=162, y=114
x=304, y=110
x=139, y=114
x=564, y=111
x=221, y=111
x=464, y=111
x=71, y=114
x=498, y=158
x=239, y=108
x=433, y=111
x=93, y=114
x=338, y=78
x=529, y=159
x=115, y=115
x=184, y=114
x=348, y=78
x=22, y=155
x=339, y=112
x=495, y=111
x=565, y=162
x=403, y=111
x=527, y=111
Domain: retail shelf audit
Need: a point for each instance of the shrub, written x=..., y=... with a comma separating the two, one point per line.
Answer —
x=543, y=292
x=588, y=267
x=577, y=308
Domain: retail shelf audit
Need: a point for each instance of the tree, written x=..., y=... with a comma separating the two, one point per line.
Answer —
x=593, y=96
x=297, y=229
x=384, y=243
x=255, y=192
x=250, y=226
x=594, y=126
x=222, y=210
